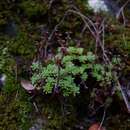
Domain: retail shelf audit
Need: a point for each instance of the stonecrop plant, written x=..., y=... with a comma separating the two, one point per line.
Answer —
x=68, y=70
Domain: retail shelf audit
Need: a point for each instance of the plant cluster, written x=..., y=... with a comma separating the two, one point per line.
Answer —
x=69, y=70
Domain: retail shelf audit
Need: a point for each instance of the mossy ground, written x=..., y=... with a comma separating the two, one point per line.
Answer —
x=14, y=113
x=16, y=109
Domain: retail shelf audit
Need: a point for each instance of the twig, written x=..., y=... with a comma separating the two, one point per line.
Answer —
x=123, y=16
x=105, y=57
x=35, y=106
x=88, y=23
x=97, y=35
x=123, y=94
x=122, y=8
x=96, y=32
x=83, y=30
x=121, y=12
x=103, y=118
x=50, y=3
x=56, y=27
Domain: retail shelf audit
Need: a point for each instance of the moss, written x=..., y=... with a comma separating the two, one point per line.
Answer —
x=3, y=20
x=6, y=62
x=22, y=45
x=8, y=9
x=16, y=52
x=119, y=122
x=30, y=14
x=117, y=36
x=33, y=8
x=14, y=115
x=57, y=116
x=15, y=56
x=10, y=85
x=9, y=114
x=83, y=6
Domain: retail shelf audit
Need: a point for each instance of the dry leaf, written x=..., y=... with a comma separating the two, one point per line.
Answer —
x=96, y=126
x=27, y=85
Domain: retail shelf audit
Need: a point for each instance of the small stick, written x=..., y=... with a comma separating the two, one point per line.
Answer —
x=103, y=118
x=122, y=8
x=124, y=97
x=35, y=106
x=123, y=94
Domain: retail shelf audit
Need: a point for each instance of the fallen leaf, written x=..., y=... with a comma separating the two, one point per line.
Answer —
x=27, y=85
x=96, y=126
